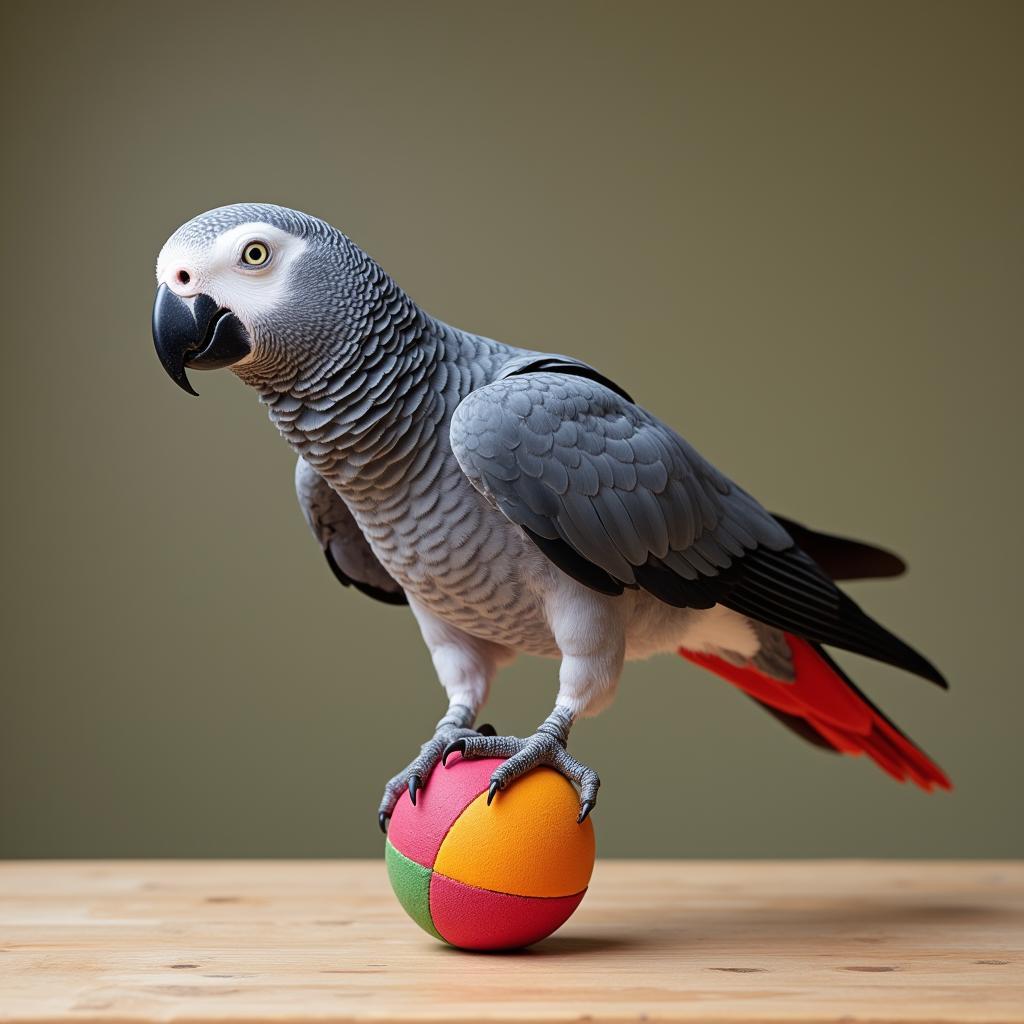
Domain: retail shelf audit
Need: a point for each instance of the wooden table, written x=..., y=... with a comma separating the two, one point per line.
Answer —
x=250, y=941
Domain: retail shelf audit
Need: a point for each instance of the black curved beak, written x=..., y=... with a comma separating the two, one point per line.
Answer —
x=195, y=333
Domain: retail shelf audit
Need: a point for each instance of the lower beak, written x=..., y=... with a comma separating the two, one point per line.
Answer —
x=195, y=333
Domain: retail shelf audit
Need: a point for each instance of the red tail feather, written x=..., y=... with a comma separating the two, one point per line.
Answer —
x=822, y=696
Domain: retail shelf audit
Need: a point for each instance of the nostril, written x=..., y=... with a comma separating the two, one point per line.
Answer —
x=183, y=277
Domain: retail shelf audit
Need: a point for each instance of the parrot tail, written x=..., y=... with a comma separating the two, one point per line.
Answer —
x=824, y=707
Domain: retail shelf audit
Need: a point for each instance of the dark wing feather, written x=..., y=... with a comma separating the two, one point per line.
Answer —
x=841, y=557
x=536, y=362
x=347, y=552
x=788, y=590
x=617, y=499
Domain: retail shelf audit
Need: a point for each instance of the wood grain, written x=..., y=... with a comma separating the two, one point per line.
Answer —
x=250, y=941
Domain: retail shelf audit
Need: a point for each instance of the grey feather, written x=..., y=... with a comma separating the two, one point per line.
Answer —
x=343, y=543
x=617, y=502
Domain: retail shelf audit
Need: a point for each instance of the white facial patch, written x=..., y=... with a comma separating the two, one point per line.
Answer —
x=215, y=268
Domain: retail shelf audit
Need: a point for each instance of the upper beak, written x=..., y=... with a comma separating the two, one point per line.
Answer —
x=196, y=333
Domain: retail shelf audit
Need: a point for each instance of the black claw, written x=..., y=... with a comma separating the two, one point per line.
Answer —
x=487, y=730
x=588, y=806
x=456, y=746
x=494, y=787
x=382, y=819
x=415, y=783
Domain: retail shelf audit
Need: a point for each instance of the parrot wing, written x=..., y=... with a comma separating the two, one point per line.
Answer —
x=346, y=549
x=617, y=499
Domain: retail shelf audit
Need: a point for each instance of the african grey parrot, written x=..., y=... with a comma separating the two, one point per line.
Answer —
x=517, y=501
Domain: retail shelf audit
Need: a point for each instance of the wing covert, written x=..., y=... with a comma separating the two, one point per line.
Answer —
x=582, y=467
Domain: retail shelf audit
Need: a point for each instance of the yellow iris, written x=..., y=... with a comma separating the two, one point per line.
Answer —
x=255, y=254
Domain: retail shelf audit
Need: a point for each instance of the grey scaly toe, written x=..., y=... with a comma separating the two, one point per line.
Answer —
x=456, y=726
x=546, y=746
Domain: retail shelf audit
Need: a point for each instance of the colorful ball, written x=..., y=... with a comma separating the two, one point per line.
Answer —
x=490, y=877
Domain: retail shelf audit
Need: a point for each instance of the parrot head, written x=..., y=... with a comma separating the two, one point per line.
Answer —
x=266, y=290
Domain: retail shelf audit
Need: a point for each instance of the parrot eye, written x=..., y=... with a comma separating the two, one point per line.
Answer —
x=255, y=254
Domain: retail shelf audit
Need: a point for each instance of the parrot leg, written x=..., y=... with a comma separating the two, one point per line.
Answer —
x=546, y=746
x=456, y=725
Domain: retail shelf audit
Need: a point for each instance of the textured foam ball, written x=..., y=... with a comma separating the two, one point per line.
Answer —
x=497, y=877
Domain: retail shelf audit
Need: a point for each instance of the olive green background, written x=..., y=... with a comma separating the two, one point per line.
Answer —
x=793, y=230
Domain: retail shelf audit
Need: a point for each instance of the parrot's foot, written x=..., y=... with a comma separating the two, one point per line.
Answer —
x=545, y=746
x=455, y=726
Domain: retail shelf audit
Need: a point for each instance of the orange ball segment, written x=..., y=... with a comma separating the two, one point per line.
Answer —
x=497, y=877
